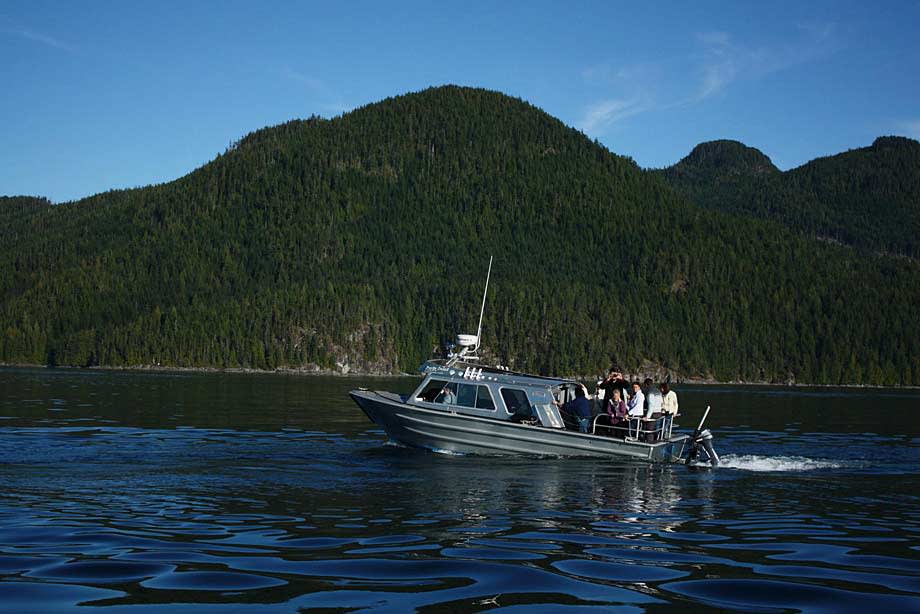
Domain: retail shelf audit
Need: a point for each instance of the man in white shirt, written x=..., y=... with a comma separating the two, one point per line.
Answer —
x=636, y=403
x=636, y=408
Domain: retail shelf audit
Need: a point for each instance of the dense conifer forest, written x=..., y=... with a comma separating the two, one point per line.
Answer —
x=362, y=242
x=868, y=197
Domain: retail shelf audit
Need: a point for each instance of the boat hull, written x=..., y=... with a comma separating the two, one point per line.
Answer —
x=445, y=430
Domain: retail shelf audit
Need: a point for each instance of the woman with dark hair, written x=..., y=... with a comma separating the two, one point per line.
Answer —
x=668, y=399
x=669, y=406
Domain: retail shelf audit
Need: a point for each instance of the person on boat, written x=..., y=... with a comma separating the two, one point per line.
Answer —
x=614, y=413
x=636, y=407
x=580, y=408
x=646, y=389
x=652, y=411
x=616, y=409
x=448, y=395
x=668, y=399
x=653, y=400
x=636, y=403
x=668, y=406
x=613, y=381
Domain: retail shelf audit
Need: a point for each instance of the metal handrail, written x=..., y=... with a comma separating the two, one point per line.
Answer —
x=610, y=427
x=670, y=419
x=661, y=424
x=664, y=426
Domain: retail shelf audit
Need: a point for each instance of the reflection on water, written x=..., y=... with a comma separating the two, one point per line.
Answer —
x=228, y=493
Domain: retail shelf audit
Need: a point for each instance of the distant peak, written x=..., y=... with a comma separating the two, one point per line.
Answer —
x=894, y=142
x=728, y=156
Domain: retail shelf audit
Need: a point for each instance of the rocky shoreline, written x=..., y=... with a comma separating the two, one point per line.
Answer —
x=349, y=373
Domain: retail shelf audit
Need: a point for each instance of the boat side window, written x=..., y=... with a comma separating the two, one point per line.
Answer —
x=515, y=400
x=466, y=395
x=484, y=398
x=436, y=391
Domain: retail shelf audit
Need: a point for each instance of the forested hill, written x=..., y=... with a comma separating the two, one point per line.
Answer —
x=364, y=240
x=15, y=209
x=868, y=197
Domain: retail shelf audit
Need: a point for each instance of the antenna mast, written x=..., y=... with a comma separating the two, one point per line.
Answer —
x=469, y=344
x=483, y=309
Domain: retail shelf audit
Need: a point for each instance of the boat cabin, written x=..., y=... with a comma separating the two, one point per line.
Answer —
x=492, y=392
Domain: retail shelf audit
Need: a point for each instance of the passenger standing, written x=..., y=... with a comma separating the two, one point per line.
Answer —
x=636, y=407
x=653, y=401
x=669, y=400
x=668, y=407
x=636, y=403
x=613, y=381
x=646, y=390
x=652, y=411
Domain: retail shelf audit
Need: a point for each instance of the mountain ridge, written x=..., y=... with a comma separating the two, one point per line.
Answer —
x=868, y=197
x=358, y=242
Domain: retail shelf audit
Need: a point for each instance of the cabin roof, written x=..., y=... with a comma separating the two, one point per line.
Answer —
x=498, y=374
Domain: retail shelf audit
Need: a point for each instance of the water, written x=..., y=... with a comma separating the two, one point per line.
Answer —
x=229, y=493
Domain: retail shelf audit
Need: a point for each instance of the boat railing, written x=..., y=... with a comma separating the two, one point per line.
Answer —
x=669, y=424
x=637, y=429
x=598, y=428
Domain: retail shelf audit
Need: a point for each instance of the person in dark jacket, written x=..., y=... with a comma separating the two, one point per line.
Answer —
x=613, y=381
x=580, y=408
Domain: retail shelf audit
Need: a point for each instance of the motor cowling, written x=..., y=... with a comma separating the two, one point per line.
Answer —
x=702, y=443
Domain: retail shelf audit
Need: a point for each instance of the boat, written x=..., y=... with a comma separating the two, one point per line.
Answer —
x=463, y=407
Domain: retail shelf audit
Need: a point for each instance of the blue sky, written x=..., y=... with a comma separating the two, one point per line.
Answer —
x=101, y=95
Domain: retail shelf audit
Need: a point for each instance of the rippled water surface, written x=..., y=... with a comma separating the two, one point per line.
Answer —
x=230, y=493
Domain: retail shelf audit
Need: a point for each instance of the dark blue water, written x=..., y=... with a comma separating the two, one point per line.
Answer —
x=230, y=493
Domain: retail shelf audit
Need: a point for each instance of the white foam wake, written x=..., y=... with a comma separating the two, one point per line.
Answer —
x=753, y=462
x=446, y=452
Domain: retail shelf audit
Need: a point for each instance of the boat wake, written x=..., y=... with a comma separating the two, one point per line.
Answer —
x=753, y=462
x=446, y=452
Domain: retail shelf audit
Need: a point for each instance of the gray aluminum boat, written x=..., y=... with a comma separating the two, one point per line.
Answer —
x=463, y=408
x=466, y=409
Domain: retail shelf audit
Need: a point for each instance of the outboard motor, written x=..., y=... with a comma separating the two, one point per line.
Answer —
x=702, y=442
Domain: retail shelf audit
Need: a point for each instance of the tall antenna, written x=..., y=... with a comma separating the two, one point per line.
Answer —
x=482, y=311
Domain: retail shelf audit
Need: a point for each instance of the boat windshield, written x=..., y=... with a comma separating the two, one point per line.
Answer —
x=456, y=393
x=431, y=391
